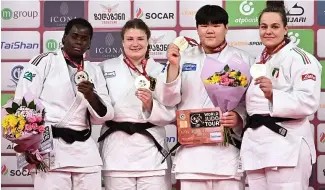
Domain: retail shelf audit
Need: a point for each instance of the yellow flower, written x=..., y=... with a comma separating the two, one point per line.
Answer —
x=208, y=81
x=21, y=125
x=232, y=73
x=17, y=135
x=243, y=83
x=13, y=121
x=216, y=79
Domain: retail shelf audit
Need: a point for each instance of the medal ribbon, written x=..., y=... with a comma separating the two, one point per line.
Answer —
x=218, y=49
x=79, y=66
x=131, y=65
x=265, y=55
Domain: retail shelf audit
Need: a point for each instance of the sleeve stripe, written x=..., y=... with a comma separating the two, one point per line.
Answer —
x=303, y=56
x=38, y=59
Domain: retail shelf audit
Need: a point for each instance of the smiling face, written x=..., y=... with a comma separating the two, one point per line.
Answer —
x=272, y=29
x=135, y=43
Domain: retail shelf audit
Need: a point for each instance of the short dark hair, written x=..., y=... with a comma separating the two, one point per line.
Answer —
x=211, y=14
x=78, y=21
x=137, y=24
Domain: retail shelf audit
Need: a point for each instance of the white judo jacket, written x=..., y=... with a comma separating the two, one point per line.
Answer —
x=296, y=80
x=188, y=92
x=133, y=155
x=51, y=83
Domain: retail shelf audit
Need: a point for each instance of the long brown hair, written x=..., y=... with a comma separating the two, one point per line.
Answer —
x=137, y=24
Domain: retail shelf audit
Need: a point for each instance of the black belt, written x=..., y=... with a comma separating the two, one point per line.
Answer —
x=131, y=128
x=255, y=121
x=69, y=135
x=233, y=141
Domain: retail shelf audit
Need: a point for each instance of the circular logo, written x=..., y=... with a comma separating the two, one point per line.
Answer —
x=182, y=116
x=6, y=14
x=51, y=45
x=16, y=71
x=64, y=8
x=246, y=8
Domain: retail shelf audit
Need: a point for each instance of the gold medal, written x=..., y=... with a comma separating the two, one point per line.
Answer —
x=142, y=82
x=258, y=70
x=181, y=43
x=81, y=76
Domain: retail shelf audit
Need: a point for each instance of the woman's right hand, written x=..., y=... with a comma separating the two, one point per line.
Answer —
x=173, y=55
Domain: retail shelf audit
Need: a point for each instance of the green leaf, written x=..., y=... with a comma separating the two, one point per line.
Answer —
x=14, y=107
x=10, y=111
x=32, y=105
x=238, y=73
x=43, y=113
x=226, y=68
x=24, y=103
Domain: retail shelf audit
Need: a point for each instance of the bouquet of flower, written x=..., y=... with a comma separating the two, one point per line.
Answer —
x=23, y=124
x=226, y=84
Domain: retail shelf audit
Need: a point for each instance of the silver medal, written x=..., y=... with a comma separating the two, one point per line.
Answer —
x=258, y=70
x=81, y=76
x=142, y=82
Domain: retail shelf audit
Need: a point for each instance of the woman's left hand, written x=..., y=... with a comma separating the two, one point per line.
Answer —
x=266, y=87
x=146, y=97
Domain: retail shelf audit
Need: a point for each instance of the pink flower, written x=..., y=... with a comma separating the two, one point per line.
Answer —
x=39, y=118
x=35, y=126
x=32, y=119
x=28, y=127
x=41, y=128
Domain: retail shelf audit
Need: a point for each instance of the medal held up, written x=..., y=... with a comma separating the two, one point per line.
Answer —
x=80, y=75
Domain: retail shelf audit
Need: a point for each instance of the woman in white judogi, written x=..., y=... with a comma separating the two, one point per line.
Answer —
x=278, y=146
x=132, y=159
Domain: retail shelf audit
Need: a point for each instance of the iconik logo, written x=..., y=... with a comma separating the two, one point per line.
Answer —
x=15, y=74
x=106, y=45
x=58, y=13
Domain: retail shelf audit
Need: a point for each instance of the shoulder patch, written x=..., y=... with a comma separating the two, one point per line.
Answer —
x=303, y=55
x=38, y=59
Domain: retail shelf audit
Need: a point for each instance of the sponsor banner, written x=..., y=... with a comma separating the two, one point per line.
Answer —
x=321, y=169
x=58, y=13
x=105, y=45
x=299, y=13
x=320, y=43
x=20, y=44
x=320, y=12
x=321, y=137
x=156, y=13
x=159, y=41
x=188, y=9
x=10, y=174
x=109, y=14
x=20, y=14
x=52, y=40
x=321, y=110
x=303, y=38
x=11, y=72
x=244, y=13
x=250, y=42
x=323, y=74
x=191, y=34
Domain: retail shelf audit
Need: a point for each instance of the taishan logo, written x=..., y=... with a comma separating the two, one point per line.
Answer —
x=109, y=14
x=139, y=14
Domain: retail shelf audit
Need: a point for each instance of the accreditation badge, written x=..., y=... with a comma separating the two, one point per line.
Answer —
x=199, y=126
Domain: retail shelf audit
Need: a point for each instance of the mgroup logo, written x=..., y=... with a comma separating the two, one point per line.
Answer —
x=103, y=14
x=20, y=14
x=106, y=45
x=58, y=13
x=53, y=45
x=156, y=13
x=244, y=13
x=52, y=40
